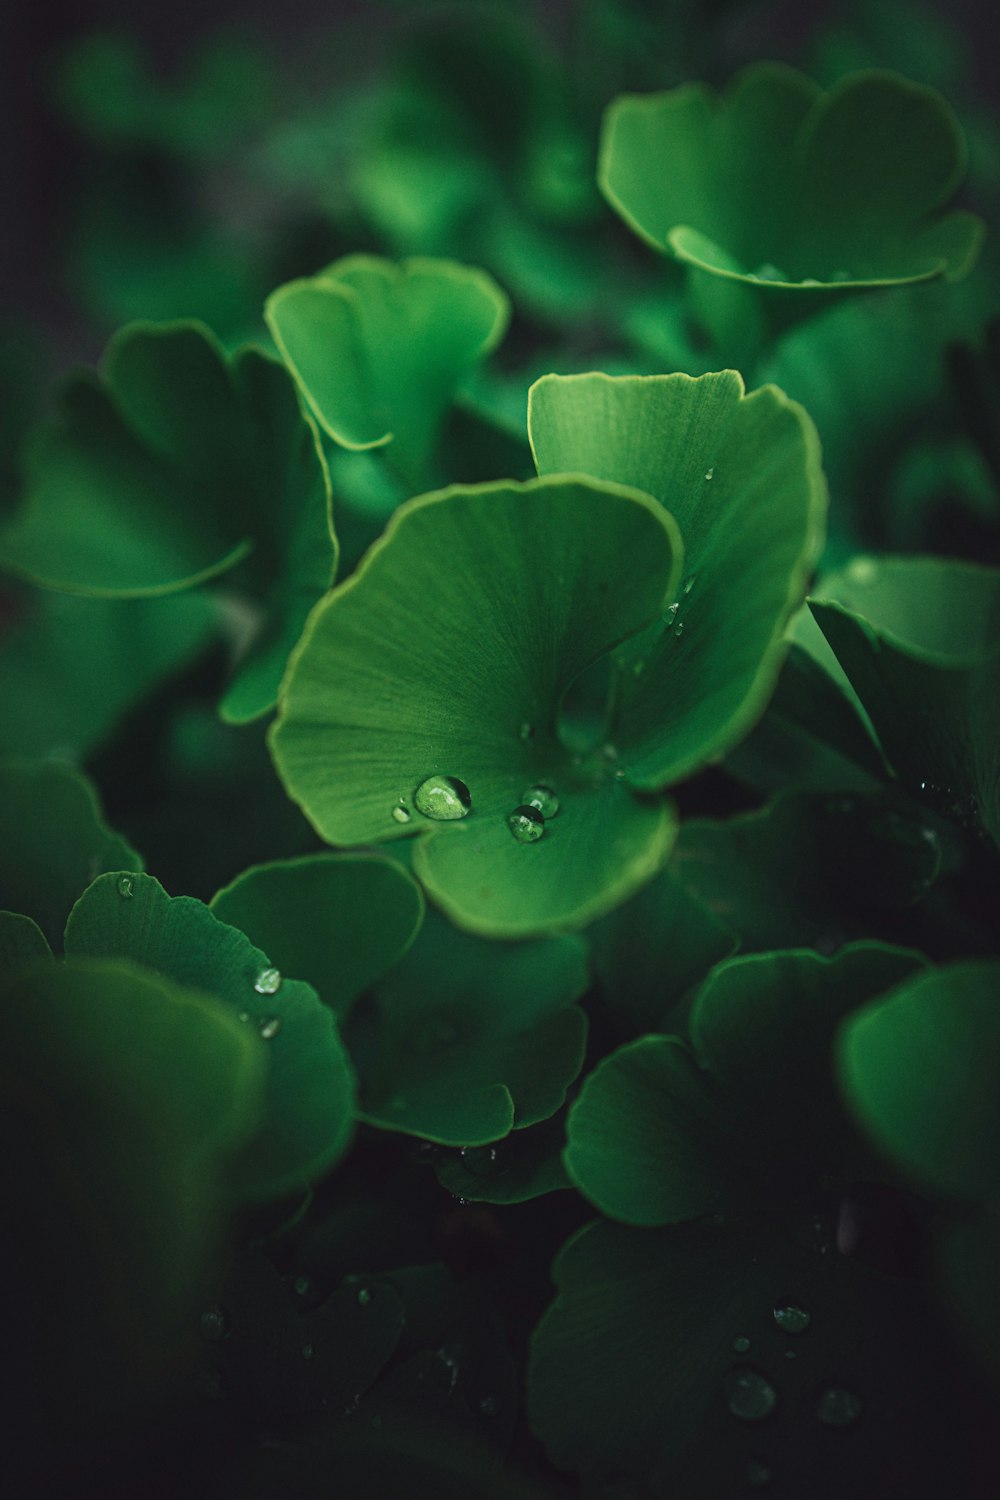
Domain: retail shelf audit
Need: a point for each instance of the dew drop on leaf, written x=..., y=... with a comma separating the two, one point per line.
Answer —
x=302, y=1286
x=126, y=886
x=679, y=629
x=838, y=1407
x=769, y=272
x=364, y=1297
x=749, y=1395
x=741, y=1344
x=543, y=798
x=790, y=1317
x=401, y=813
x=443, y=798
x=270, y=1027
x=688, y=583
x=215, y=1324
x=526, y=824
x=710, y=473
x=268, y=982
x=670, y=615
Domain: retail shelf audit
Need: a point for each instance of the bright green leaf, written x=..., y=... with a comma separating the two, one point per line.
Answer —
x=741, y=475
x=448, y=654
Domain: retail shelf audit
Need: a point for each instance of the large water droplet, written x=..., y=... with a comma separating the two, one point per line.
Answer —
x=543, y=798
x=215, y=1324
x=710, y=473
x=757, y=1474
x=741, y=1344
x=126, y=886
x=401, y=813
x=526, y=824
x=837, y=1407
x=270, y=1027
x=268, y=982
x=443, y=798
x=790, y=1317
x=749, y=1395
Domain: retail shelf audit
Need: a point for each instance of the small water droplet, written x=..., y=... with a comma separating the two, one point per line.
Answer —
x=837, y=1407
x=401, y=813
x=790, y=1354
x=679, y=629
x=489, y=1406
x=443, y=798
x=126, y=886
x=526, y=824
x=688, y=583
x=270, y=1027
x=302, y=1286
x=526, y=732
x=710, y=473
x=364, y=1297
x=862, y=570
x=307, y=1351
x=243, y=1016
x=757, y=1474
x=543, y=798
x=215, y=1324
x=749, y=1395
x=268, y=982
x=741, y=1344
x=810, y=281
x=670, y=614
x=790, y=1317
x=769, y=272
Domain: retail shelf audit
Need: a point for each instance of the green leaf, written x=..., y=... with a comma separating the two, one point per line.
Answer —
x=53, y=841
x=649, y=952
x=530, y=585
x=128, y=1096
x=309, y=1081
x=918, y=1068
x=654, y=1333
x=21, y=940
x=339, y=921
x=526, y=1165
x=72, y=667
x=173, y=468
x=811, y=871
x=467, y=1039
x=741, y=475
x=378, y=349
x=745, y=1114
x=804, y=194
x=919, y=639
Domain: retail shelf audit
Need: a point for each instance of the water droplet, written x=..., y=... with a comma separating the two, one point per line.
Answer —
x=688, y=583
x=679, y=629
x=741, y=1344
x=268, y=982
x=710, y=473
x=302, y=1286
x=270, y=1027
x=126, y=886
x=862, y=570
x=215, y=1324
x=307, y=1351
x=526, y=732
x=401, y=813
x=790, y=1317
x=670, y=615
x=489, y=1406
x=757, y=1474
x=769, y=272
x=542, y=797
x=243, y=1016
x=526, y=824
x=443, y=798
x=838, y=1407
x=810, y=281
x=364, y=1297
x=749, y=1395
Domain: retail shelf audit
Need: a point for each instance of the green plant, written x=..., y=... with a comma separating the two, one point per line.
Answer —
x=554, y=687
